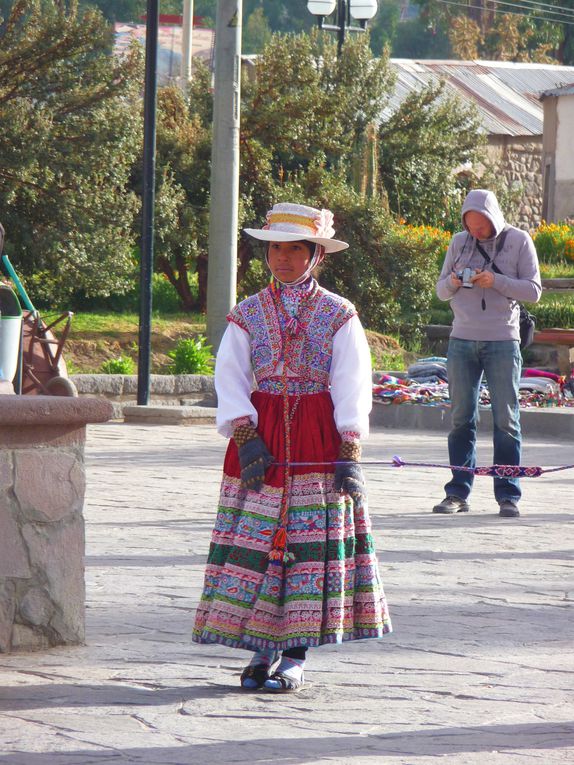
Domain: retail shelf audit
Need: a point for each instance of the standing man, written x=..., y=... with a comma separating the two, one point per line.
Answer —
x=485, y=340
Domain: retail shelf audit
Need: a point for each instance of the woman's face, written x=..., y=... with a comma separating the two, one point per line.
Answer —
x=288, y=260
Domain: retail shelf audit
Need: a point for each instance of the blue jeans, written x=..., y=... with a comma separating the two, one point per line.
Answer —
x=501, y=362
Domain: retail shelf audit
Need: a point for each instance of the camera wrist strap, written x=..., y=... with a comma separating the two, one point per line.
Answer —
x=488, y=259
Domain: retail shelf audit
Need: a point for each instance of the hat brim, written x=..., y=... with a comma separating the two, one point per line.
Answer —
x=330, y=245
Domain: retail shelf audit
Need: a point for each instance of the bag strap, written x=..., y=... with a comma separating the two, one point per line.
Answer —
x=499, y=245
x=495, y=268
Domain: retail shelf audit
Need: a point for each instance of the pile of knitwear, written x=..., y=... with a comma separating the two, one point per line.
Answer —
x=426, y=382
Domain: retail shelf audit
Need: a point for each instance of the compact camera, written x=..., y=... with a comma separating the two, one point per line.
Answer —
x=465, y=276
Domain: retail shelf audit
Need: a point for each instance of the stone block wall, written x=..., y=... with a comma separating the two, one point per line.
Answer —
x=519, y=160
x=523, y=167
x=42, y=487
x=121, y=390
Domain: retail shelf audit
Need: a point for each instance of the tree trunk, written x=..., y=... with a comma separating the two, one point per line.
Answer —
x=244, y=257
x=186, y=296
x=178, y=278
x=202, y=281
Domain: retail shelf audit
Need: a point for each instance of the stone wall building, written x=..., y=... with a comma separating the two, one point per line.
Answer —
x=507, y=96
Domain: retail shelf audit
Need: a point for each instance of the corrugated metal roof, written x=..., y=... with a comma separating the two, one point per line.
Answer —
x=566, y=90
x=506, y=94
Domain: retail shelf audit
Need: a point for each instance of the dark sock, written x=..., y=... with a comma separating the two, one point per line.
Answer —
x=296, y=653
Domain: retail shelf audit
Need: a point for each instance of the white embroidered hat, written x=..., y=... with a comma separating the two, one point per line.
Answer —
x=288, y=222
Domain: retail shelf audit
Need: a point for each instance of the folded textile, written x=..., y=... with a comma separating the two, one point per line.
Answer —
x=541, y=373
x=418, y=370
x=543, y=384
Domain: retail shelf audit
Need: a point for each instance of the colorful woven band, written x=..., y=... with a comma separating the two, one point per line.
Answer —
x=299, y=220
x=350, y=450
x=244, y=433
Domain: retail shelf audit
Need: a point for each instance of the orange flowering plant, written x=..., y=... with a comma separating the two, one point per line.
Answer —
x=555, y=247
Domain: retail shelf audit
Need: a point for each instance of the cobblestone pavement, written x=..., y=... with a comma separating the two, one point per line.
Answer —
x=479, y=669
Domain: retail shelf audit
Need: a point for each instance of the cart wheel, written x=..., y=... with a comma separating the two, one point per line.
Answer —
x=61, y=386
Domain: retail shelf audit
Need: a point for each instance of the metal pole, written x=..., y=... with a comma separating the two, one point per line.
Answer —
x=223, y=215
x=146, y=257
x=342, y=24
x=186, y=40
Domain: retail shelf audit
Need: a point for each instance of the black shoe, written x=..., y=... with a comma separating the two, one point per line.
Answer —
x=508, y=509
x=452, y=504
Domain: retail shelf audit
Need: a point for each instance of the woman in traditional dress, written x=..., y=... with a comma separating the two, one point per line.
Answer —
x=292, y=564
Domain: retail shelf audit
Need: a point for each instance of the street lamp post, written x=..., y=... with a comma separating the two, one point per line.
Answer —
x=146, y=257
x=186, y=40
x=360, y=10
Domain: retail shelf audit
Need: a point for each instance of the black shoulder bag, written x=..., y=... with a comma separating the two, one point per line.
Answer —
x=527, y=322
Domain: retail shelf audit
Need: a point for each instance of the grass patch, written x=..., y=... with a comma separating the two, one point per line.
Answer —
x=98, y=338
x=115, y=324
x=557, y=270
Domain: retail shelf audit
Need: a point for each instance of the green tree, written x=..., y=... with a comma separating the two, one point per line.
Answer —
x=70, y=134
x=384, y=28
x=285, y=16
x=182, y=220
x=307, y=115
x=256, y=32
x=305, y=99
x=497, y=31
x=411, y=38
x=421, y=144
x=566, y=50
x=118, y=10
x=133, y=10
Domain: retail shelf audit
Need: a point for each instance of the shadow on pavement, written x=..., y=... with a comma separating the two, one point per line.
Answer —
x=413, y=743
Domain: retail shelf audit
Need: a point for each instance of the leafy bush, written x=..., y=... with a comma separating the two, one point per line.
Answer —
x=421, y=143
x=123, y=365
x=165, y=299
x=555, y=243
x=192, y=356
x=389, y=272
x=436, y=240
x=440, y=311
x=556, y=271
x=554, y=311
x=389, y=360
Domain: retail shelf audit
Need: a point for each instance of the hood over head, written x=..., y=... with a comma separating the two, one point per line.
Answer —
x=484, y=202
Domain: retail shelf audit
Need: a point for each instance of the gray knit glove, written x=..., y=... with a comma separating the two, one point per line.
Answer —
x=254, y=457
x=349, y=478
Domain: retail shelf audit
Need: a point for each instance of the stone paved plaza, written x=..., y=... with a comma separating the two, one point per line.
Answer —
x=479, y=669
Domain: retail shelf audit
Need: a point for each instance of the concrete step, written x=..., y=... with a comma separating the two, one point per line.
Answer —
x=169, y=415
x=555, y=422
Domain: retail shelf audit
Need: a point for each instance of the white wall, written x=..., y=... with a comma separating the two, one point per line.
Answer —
x=565, y=134
x=564, y=163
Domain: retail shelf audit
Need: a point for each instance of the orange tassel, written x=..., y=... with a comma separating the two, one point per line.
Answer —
x=280, y=539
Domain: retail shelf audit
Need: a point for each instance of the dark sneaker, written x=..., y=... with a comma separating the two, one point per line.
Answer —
x=508, y=509
x=452, y=505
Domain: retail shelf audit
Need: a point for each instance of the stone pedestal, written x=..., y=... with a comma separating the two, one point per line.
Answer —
x=42, y=484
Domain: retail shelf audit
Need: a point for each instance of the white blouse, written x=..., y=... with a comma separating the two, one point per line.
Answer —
x=350, y=379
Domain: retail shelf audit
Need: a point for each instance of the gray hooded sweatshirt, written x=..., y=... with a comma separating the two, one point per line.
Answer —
x=490, y=314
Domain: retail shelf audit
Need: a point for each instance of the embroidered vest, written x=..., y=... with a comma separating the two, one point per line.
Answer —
x=321, y=314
